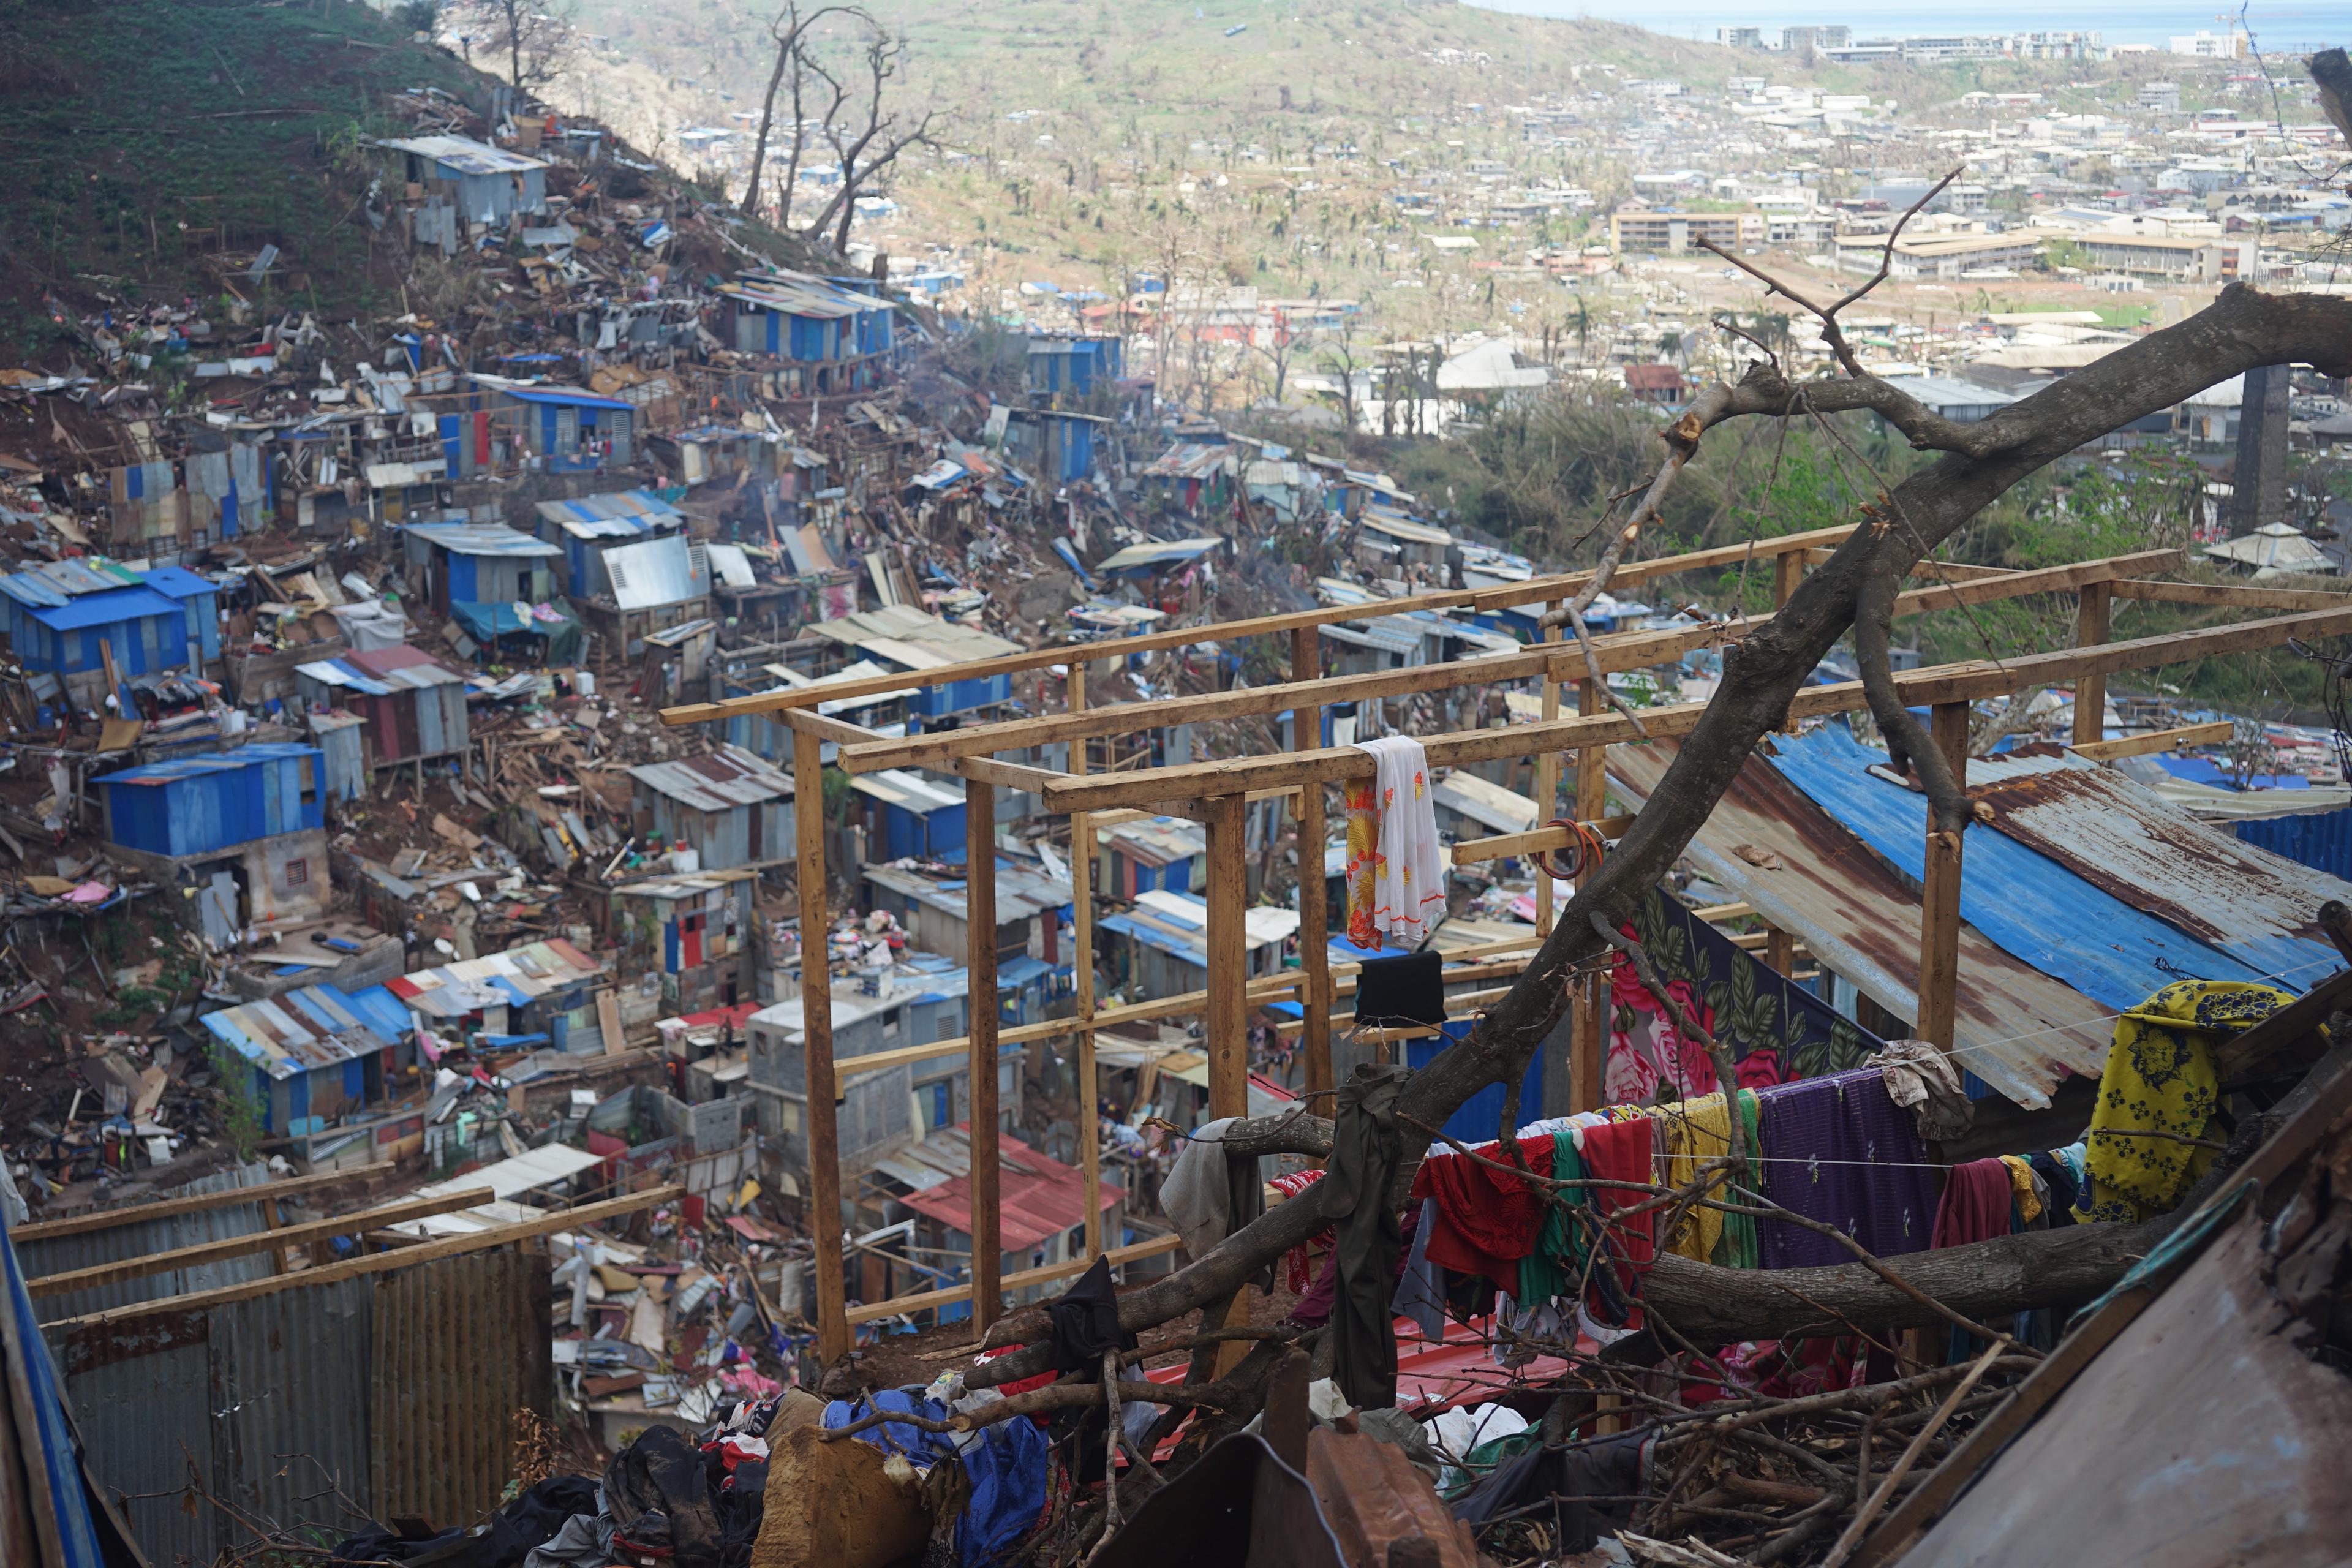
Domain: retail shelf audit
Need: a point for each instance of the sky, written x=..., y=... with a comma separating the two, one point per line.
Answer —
x=2295, y=24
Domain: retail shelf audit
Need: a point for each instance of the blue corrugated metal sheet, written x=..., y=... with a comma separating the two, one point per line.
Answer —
x=47, y=1439
x=192, y=805
x=106, y=608
x=2321, y=840
x=565, y=397
x=2025, y=903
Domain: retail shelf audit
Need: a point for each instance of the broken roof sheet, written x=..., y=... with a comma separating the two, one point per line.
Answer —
x=907, y=791
x=1021, y=890
x=1482, y=801
x=657, y=571
x=722, y=781
x=383, y=671
x=1170, y=552
x=913, y=639
x=515, y=978
x=624, y=514
x=730, y=566
x=2017, y=1028
x=48, y=585
x=1191, y=460
x=1161, y=841
x=1038, y=1197
x=465, y=155
x=304, y=1030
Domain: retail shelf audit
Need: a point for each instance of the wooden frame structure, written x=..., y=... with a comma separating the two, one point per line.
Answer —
x=1215, y=793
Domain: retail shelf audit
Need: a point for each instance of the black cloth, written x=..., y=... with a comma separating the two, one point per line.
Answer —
x=531, y=1520
x=1608, y=1467
x=1396, y=993
x=658, y=1492
x=1365, y=1150
x=2063, y=1188
x=1085, y=1321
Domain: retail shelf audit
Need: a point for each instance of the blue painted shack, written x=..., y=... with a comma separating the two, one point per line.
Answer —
x=906, y=813
x=1074, y=364
x=486, y=184
x=829, y=338
x=478, y=563
x=65, y=616
x=1057, y=448
x=589, y=526
x=199, y=600
x=318, y=1054
x=1158, y=853
x=569, y=430
x=237, y=838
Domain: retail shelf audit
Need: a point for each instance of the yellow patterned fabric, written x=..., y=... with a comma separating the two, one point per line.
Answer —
x=2158, y=1093
x=1364, y=863
x=1698, y=1130
x=2020, y=1182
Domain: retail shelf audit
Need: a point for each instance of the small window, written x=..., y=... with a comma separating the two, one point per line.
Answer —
x=890, y=1026
x=297, y=872
x=310, y=777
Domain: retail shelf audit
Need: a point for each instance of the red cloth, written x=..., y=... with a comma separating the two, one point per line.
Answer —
x=1486, y=1220
x=1976, y=1204
x=1625, y=1151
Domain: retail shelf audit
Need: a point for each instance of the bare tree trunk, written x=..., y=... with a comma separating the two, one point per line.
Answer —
x=787, y=33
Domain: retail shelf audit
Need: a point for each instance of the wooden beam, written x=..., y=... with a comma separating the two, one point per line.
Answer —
x=817, y=1056
x=1227, y=940
x=1082, y=915
x=2091, y=686
x=2297, y=1021
x=1313, y=923
x=204, y=1252
x=1588, y=1029
x=1939, y=919
x=840, y=732
x=980, y=930
x=977, y=771
x=1779, y=951
x=378, y=1262
x=1114, y=819
x=2155, y=741
x=1964, y=681
x=1788, y=576
x=1628, y=574
x=2088, y=578
x=1505, y=845
x=1548, y=785
x=200, y=1203
x=923, y=1301
x=2229, y=595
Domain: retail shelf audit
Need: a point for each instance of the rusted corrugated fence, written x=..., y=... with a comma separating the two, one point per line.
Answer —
x=318, y=1405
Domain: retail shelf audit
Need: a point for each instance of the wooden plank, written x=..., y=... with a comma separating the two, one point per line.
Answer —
x=377, y=1262
x=1011, y=776
x=2298, y=1021
x=2157, y=740
x=1939, y=923
x=1964, y=681
x=980, y=929
x=1628, y=574
x=1548, y=786
x=246, y=1245
x=1082, y=963
x=2091, y=686
x=2229, y=595
x=1114, y=819
x=1779, y=951
x=1788, y=576
x=817, y=1032
x=1504, y=846
x=132, y=1214
x=2089, y=578
x=608, y=1022
x=1588, y=1037
x=1313, y=922
x=924, y=1300
x=840, y=732
x=1227, y=941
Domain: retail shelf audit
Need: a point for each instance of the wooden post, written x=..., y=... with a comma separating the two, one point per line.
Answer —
x=1779, y=951
x=816, y=1026
x=1788, y=573
x=1589, y=1037
x=2091, y=691
x=980, y=924
x=1082, y=886
x=1228, y=1010
x=1939, y=919
x=1314, y=929
x=1546, y=790
x=272, y=1219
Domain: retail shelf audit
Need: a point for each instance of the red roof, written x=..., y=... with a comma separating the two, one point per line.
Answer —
x=1653, y=378
x=1037, y=1197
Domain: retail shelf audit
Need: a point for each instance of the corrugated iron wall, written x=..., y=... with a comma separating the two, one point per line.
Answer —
x=2322, y=840
x=143, y=1238
x=396, y=1390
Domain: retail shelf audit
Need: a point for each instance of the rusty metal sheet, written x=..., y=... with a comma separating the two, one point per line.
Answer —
x=457, y=1347
x=2199, y=1436
x=2018, y=1029
x=145, y=1237
x=144, y=1408
x=2126, y=840
x=289, y=1400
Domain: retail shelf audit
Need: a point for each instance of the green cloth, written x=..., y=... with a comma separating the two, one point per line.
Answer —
x=1735, y=1247
x=1556, y=1265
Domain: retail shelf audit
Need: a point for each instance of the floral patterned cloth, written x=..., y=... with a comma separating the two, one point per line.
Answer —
x=2159, y=1080
x=1396, y=875
x=1777, y=1030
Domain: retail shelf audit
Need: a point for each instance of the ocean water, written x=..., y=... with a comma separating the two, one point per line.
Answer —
x=2277, y=28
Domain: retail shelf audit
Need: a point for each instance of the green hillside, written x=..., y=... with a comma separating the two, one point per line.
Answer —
x=150, y=142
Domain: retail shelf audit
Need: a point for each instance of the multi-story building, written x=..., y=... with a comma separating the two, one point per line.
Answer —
x=1669, y=232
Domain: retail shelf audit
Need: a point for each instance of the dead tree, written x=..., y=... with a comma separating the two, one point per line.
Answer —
x=535, y=36
x=878, y=144
x=787, y=29
x=2243, y=328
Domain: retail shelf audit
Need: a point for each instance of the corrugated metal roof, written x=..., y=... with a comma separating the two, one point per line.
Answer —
x=103, y=608
x=1481, y=800
x=382, y=671
x=301, y=1031
x=178, y=583
x=563, y=396
x=136, y=1238
x=907, y=791
x=722, y=781
x=731, y=565
x=1191, y=460
x=1398, y=526
x=622, y=514
x=1038, y=1197
x=2028, y=903
x=464, y=154
x=2017, y=1028
x=668, y=571
x=1161, y=841
x=50, y=584
x=482, y=539
x=2126, y=840
x=1020, y=890
x=1386, y=634
x=177, y=768
x=913, y=639
x=1172, y=552
x=513, y=978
